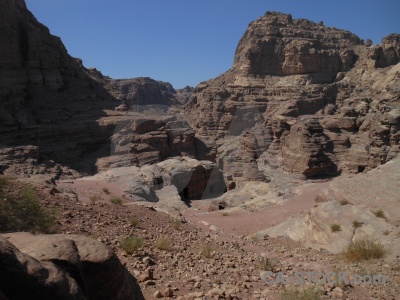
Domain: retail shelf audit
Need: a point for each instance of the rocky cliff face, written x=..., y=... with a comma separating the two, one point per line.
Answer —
x=278, y=45
x=147, y=91
x=50, y=103
x=40, y=82
x=323, y=102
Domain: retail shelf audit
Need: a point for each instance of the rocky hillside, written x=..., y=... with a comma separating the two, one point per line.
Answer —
x=52, y=108
x=304, y=98
x=40, y=83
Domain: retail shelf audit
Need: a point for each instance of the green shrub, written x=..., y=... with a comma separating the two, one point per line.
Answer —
x=106, y=191
x=22, y=211
x=164, y=243
x=364, y=249
x=134, y=221
x=131, y=244
x=336, y=228
x=116, y=200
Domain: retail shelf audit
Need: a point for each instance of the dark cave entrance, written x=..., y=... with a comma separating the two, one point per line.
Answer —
x=184, y=194
x=360, y=169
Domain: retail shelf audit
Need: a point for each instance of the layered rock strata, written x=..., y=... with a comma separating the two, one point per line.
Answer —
x=328, y=102
x=50, y=102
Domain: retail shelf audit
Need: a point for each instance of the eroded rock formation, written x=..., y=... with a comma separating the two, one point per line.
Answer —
x=182, y=178
x=147, y=91
x=349, y=199
x=51, y=103
x=323, y=101
x=278, y=45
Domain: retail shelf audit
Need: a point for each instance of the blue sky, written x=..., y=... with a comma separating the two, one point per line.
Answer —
x=185, y=41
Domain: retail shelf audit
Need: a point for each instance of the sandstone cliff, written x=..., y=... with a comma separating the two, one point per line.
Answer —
x=146, y=91
x=323, y=101
x=53, y=108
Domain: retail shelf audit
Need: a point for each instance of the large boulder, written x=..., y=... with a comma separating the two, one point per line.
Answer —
x=62, y=267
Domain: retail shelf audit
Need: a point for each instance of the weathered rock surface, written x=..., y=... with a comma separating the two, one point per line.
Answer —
x=63, y=267
x=48, y=100
x=147, y=91
x=288, y=71
x=150, y=134
x=40, y=82
x=304, y=149
x=350, y=199
x=169, y=182
x=278, y=45
x=388, y=53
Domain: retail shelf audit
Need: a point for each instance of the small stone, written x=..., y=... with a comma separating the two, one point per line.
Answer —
x=338, y=290
x=168, y=292
x=157, y=294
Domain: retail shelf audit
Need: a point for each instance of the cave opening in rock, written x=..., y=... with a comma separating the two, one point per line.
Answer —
x=184, y=194
x=360, y=169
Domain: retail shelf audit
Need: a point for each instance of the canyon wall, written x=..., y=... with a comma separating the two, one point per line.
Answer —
x=303, y=98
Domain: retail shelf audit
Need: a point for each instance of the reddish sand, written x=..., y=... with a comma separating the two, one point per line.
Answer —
x=237, y=222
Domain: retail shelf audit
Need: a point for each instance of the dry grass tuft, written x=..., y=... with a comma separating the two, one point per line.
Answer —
x=95, y=198
x=164, y=243
x=364, y=249
x=357, y=224
x=379, y=213
x=134, y=221
x=176, y=224
x=116, y=200
x=206, y=250
x=305, y=293
x=336, y=228
x=131, y=244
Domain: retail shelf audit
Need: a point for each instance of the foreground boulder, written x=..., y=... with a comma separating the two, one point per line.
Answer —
x=62, y=267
